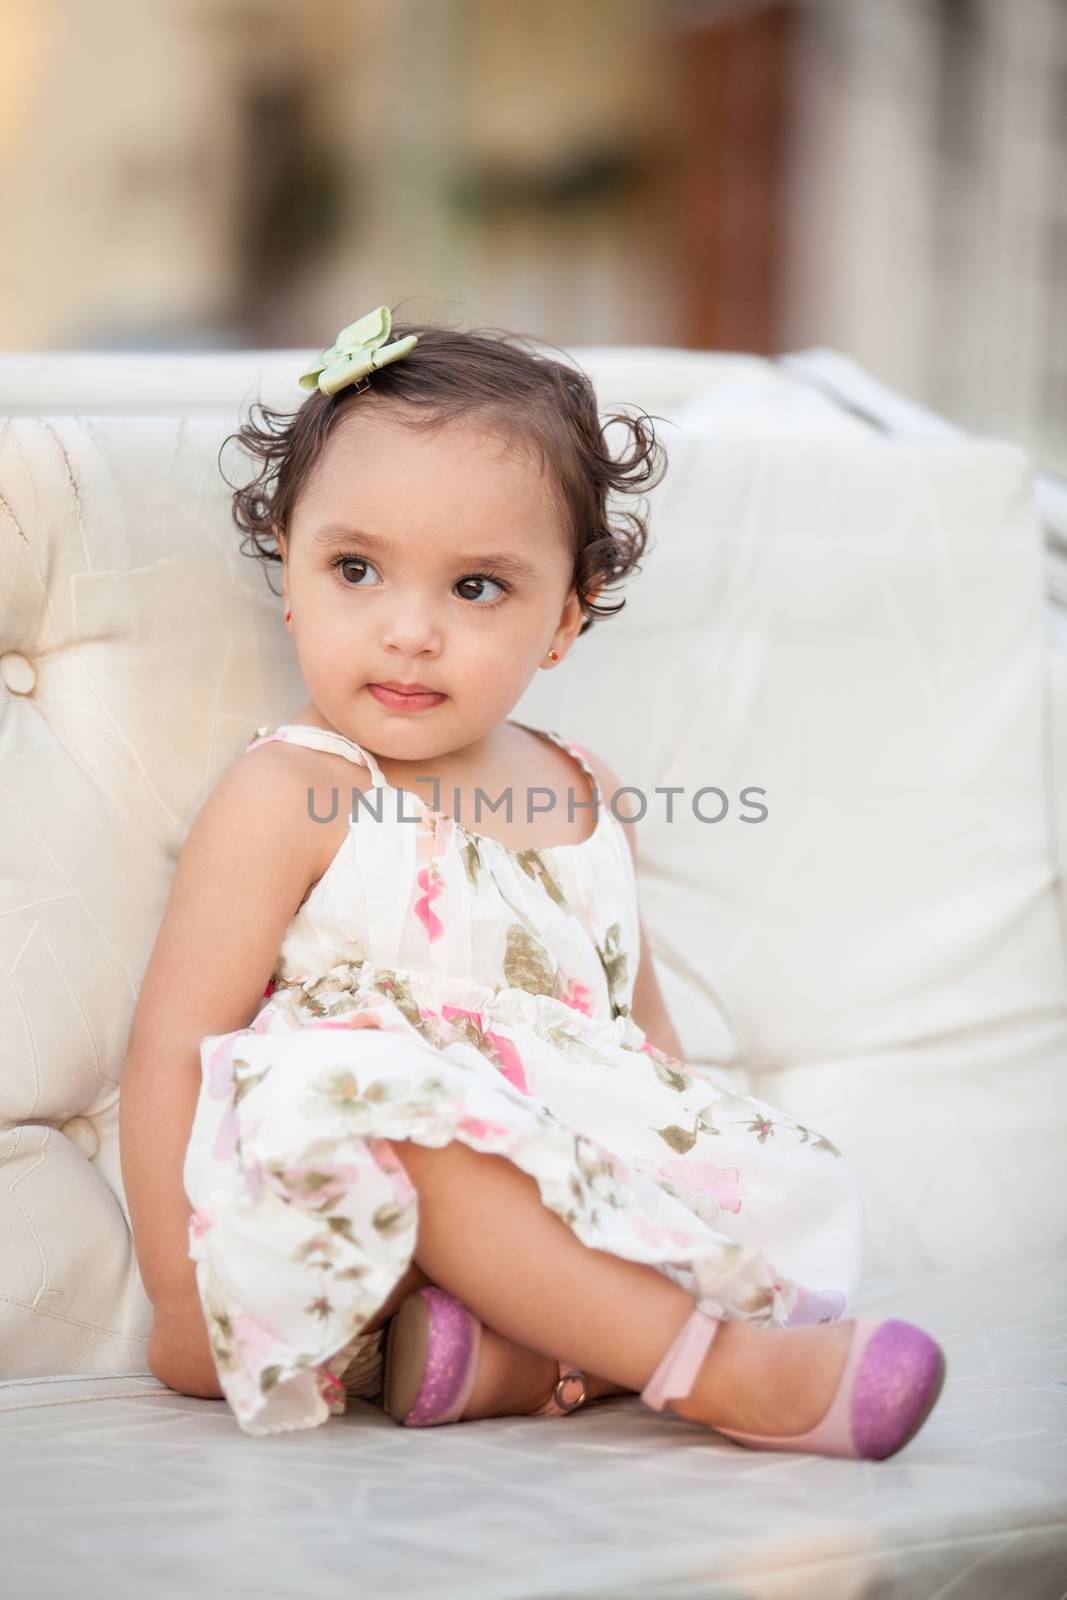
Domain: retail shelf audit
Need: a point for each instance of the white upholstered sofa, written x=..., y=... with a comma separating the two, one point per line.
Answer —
x=847, y=604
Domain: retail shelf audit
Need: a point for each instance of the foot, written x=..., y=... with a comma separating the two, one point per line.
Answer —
x=768, y=1380
x=512, y=1381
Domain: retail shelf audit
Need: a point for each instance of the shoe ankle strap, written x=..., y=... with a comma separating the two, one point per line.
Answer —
x=556, y=1405
x=674, y=1377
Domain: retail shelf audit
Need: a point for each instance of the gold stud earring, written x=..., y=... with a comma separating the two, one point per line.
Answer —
x=553, y=655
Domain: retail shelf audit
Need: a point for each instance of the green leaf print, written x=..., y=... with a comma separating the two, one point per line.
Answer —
x=268, y=1378
x=341, y=1225
x=309, y=1183
x=472, y=860
x=527, y=964
x=613, y=960
x=818, y=1140
x=221, y=1339
x=704, y=1206
x=670, y=1076
x=466, y=1031
x=726, y=1100
x=572, y=1044
x=244, y=1082
x=391, y=1219
x=533, y=864
x=679, y=1139
x=340, y=1088
x=399, y=991
x=760, y=1298
x=706, y=1122
x=356, y=1271
x=321, y=996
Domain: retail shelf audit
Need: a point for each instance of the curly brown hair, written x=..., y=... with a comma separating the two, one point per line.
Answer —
x=493, y=377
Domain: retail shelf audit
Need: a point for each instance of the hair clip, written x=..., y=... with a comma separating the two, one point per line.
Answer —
x=357, y=350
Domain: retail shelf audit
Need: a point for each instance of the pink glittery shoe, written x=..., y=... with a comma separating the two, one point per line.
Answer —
x=431, y=1361
x=891, y=1380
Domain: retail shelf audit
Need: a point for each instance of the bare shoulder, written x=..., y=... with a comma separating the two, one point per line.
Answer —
x=272, y=778
x=242, y=872
x=313, y=787
x=254, y=825
x=624, y=804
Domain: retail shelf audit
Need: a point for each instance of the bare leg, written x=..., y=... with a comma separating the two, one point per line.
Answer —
x=486, y=1236
x=414, y=1278
x=513, y=1377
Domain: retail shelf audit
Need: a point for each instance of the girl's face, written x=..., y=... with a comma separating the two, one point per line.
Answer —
x=434, y=559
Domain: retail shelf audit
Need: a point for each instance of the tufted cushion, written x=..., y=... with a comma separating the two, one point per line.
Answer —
x=855, y=628
x=852, y=625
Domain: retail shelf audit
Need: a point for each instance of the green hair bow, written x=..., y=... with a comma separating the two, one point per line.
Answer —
x=357, y=350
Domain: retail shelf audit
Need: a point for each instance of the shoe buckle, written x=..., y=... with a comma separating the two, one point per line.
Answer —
x=557, y=1392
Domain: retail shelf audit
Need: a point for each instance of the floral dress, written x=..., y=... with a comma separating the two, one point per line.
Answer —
x=438, y=984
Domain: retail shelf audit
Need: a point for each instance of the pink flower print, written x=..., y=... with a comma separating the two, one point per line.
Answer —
x=226, y=1138
x=577, y=995
x=220, y=1087
x=483, y=1130
x=722, y=1183
x=220, y=1070
x=388, y=1160
x=269, y=990
x=256, y=1341
x=658, y=1237
x=357, y=1019
x=511, y=1060
x=431, y=881
x=252, y=1180
x=332, y=1390
x=199, y=1223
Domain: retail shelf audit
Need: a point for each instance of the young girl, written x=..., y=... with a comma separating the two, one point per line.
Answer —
x=440, y=1106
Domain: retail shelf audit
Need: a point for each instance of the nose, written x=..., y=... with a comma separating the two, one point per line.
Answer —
x=412, y=629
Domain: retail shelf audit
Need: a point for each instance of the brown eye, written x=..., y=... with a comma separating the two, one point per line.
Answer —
x=481, y=578
x=341, y=562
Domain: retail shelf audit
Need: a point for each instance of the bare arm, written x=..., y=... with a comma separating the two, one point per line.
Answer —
x=245, y=866
x=649, y=1009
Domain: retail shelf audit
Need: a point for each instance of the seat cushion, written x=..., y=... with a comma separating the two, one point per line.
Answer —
x=614, y=1500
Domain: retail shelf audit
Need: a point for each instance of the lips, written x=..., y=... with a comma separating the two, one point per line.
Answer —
x=405, y=688
x=406, y=697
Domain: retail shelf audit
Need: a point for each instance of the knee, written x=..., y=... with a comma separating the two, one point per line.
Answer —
x=405, y=1153
x=414, y=1278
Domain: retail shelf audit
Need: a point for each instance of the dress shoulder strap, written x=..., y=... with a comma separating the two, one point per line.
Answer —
x=321, y=739
x=572, y=750
x=579, y=755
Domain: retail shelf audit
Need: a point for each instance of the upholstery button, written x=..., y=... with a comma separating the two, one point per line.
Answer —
x=83, y=1135
x=17, y=672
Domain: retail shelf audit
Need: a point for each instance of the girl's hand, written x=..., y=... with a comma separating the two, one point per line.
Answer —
x=179, y=1350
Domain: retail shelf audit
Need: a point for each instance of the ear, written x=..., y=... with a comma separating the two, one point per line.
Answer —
x=570, y=620
x=282, y=541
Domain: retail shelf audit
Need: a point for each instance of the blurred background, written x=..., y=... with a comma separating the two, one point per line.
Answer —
x=882, y=177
